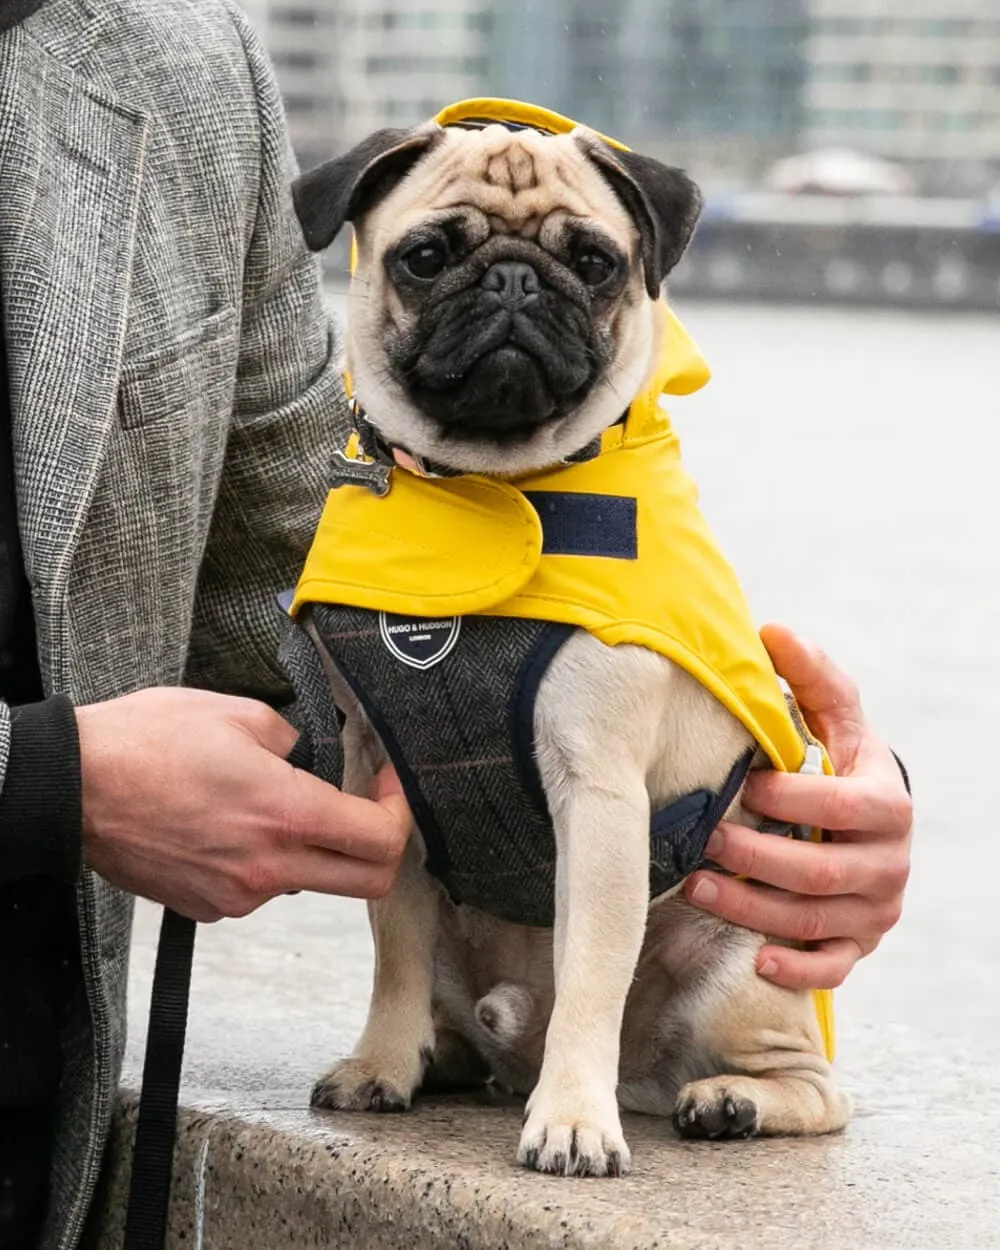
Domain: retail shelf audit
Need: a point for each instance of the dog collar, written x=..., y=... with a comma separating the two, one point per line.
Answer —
x=374, y=447
x=379, y=451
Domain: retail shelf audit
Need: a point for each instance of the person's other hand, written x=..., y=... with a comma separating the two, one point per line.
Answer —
x=189, y=801
x=840, y=896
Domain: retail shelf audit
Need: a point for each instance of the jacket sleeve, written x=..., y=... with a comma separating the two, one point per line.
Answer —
x=39, y=790
x=290, y=413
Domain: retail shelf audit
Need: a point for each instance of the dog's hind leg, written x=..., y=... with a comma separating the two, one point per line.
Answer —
x=397, y=1045
x=765, y=1041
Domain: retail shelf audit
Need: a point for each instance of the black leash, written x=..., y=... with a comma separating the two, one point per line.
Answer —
x=156, y=1128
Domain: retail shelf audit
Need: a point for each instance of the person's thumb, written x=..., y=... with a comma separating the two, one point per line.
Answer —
x=387, y=791
x=828, y=698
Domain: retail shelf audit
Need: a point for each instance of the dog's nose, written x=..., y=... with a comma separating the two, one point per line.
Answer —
x=515, y=282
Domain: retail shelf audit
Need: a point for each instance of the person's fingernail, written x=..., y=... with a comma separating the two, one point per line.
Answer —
x=385, y=784
x=768, y=968
x=714, y=845
x=706, y=891
x=751, y=790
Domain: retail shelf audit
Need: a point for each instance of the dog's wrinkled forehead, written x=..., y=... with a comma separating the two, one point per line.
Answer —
x=519, y=181
x=515, y=181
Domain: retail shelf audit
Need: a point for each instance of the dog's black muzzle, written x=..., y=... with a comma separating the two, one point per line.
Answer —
x=506, y=343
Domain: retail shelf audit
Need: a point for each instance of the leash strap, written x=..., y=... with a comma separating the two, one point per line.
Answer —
x=153, y=1153
x=156, y=1129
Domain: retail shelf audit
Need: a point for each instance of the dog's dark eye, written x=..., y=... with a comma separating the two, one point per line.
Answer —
x=426, y=260
x=593, y=267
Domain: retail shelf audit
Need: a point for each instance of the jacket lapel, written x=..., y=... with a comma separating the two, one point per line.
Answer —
x=71, y=163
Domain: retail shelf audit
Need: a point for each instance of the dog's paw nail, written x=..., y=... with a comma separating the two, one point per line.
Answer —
x=708, y=1112
x=327, y=1096
x=578, y=1147
x=384, y=1098
x=352, y=1086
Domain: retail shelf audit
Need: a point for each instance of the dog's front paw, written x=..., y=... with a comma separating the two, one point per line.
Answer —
x=360, y=1084
x=573, y=1137
x=711, y=1109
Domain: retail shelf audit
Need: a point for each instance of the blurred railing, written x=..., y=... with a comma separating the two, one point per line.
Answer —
x=917, y=254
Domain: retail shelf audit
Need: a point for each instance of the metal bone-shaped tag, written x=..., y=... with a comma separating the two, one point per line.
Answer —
x=372, y=475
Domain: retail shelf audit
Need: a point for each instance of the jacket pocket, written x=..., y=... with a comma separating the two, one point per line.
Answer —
x=181, y=375
x=135, y=571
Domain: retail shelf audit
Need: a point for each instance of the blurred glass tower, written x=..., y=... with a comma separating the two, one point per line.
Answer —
x=722, y=86
x=715, y=72
x=917, y=80
x=529, y=51
x=347, y=67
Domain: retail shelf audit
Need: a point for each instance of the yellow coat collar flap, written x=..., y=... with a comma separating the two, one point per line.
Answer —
x=454, y=546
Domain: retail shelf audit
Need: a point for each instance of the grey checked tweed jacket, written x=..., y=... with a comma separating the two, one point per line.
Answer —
x=175, y=400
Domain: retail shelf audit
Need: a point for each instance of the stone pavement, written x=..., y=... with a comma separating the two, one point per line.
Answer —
x=848, y=462
x=276, y=997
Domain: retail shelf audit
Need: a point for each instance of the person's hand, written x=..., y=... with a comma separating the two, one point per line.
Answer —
x=188, y=800
x=839, y=896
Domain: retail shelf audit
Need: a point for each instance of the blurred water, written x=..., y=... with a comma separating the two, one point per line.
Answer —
x=848, y=462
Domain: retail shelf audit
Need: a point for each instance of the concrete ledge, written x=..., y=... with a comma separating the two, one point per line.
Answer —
x=255, y=1169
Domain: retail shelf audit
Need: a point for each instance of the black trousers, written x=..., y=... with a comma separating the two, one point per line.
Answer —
x=25, y=1143
x=39, y=976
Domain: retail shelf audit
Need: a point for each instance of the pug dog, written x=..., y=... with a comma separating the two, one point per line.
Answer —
x=505, y=310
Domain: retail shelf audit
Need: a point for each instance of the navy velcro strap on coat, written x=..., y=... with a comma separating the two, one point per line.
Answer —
x=682, y=817
x=679, y=831
x=586, y=525
x=730, y=789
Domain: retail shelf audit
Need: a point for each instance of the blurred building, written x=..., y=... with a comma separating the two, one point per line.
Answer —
x=347, y=67
x=529, y=52
x=691, y=77
x=723, y=86
x=712, y=70
x=917, y=80
x=399, y=63
x=302, y=41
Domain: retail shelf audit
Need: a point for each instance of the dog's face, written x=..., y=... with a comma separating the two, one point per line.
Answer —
x=504, y=309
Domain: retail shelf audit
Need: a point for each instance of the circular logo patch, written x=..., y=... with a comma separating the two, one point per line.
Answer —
x=420, y=642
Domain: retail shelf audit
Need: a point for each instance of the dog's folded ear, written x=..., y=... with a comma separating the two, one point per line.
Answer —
x=342, y=189
x=663, y=201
